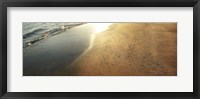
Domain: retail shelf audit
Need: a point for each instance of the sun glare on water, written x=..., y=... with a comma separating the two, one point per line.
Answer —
x=100, y=27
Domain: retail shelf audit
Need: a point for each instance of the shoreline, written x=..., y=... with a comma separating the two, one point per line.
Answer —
x=53, y=54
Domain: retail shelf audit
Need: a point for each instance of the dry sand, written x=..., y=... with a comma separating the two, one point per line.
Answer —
x=130, y=49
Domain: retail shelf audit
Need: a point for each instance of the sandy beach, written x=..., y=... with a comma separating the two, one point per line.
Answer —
x=129, y=49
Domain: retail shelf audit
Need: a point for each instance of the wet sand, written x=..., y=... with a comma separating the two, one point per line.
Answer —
x=130, y=49
x=53, y=54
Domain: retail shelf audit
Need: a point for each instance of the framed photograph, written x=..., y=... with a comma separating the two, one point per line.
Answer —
x=145, y=49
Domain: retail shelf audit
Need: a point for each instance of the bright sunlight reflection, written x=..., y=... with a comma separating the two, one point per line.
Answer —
x=100, y=27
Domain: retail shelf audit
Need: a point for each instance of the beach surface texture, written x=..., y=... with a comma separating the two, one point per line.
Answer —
x=129, y=49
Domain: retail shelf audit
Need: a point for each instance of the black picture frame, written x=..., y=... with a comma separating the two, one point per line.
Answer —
x=99, y=3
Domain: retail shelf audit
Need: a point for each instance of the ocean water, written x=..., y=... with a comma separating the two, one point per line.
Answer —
x=29, y=27
x=35, y=30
